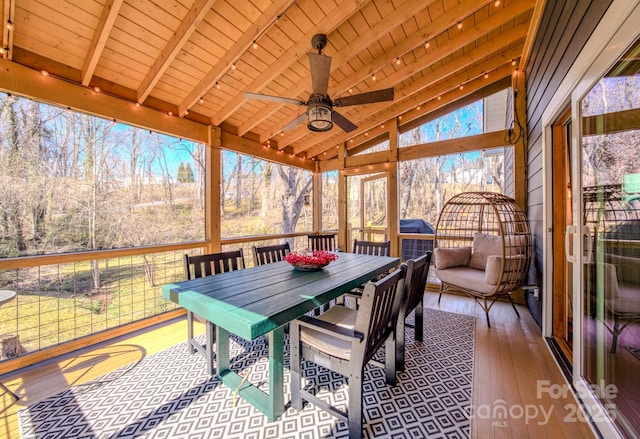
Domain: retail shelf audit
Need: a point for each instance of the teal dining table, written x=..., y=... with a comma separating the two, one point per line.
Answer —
x=261, y=300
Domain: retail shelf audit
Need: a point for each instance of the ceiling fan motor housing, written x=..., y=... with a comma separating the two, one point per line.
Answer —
x=319, y=42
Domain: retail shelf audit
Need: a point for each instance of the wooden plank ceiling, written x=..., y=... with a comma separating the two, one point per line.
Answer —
x=196, y=58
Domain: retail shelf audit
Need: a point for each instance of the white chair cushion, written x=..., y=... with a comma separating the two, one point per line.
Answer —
x=338, y=315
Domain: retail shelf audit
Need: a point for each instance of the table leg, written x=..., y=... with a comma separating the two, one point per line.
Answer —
x=272, y=403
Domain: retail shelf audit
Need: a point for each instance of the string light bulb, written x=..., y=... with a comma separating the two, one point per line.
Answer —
x=137, y=104
x=427, y=45
x=373, y=76
x=9, y=25
x=486, y=76
x=398, y=61
x=496, y=3
x=170, y=113
x=513, y=62
x=439, y=97
x=461, y=86
x=460, y=25
x=44, y=73
x=255, y=44
x=96, y=89
x=201, y=100
x=233, y=66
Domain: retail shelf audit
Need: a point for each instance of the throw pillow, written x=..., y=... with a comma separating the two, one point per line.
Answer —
x=484, y=245
x=452, y=257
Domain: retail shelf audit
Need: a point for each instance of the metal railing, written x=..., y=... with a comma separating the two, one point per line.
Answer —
x=62, y=298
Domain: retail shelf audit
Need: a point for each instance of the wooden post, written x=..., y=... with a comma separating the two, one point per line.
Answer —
x=520, y=134
x=213, y=159
x=317, y=200
x=393, y=223
x=342, y=200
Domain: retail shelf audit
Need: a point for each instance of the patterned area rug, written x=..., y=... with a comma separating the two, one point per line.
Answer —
x=169, y=395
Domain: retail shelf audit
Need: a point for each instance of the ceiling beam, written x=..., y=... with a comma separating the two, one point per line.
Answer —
x=410, y=104
x=103, y=30
x=487, y=67
x=434, y=55
x=417, y=118
x=259, y=27
x=449, y=69
x=24, y=81
x=332, y=20
x=388, y=23
x=436, y=27
x=534, y=25
x=188, y=26
x=252, y=148
x=499, y=47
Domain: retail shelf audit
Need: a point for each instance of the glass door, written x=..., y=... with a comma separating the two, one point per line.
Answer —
x=367, y=207
x=609, y=146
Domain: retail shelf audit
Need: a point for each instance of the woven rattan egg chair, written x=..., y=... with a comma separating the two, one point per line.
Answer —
x=482, y=247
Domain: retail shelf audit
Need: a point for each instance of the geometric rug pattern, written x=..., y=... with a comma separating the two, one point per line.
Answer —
x=170, y=395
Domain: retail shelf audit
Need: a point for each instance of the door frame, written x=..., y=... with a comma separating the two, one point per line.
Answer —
x=560, y=150
x=615, y=32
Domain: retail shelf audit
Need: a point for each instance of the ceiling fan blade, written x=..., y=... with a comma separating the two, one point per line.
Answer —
x=294, y=123
x=273, y=98
x=344, y=123
x=320, y=66
x=365, y=98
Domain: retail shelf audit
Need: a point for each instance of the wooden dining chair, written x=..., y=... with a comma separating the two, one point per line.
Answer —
x=344, y=340
x=270, y=253
x=413, y=299
x=322, y=242
x=201, y=266
x=372, y=248
x=365, y=248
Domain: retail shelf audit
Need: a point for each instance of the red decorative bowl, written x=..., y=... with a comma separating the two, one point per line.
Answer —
x=310, y=260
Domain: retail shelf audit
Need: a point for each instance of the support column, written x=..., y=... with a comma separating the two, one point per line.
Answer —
x=520, y=134
x=213, y=159
x=342, y=199
x=393, y=222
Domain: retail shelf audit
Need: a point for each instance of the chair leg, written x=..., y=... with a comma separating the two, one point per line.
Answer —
x=400, y=342
x=513, y=305
x=616, y=331
x=355, y=404
x=486, y=312
x=296, y=380
x=390, y=359
x=419, y=318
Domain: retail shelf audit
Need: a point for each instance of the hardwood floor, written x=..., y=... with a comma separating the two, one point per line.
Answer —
x=512, y=366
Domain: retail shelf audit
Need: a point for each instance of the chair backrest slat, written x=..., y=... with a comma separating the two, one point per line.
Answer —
x=322, y=242
x=416, y=281
x=213, y=263
x=378, y=311
x=270, y=253
x=372, y=248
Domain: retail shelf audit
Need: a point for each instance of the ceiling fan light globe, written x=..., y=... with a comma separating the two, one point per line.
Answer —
x=319, y=117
